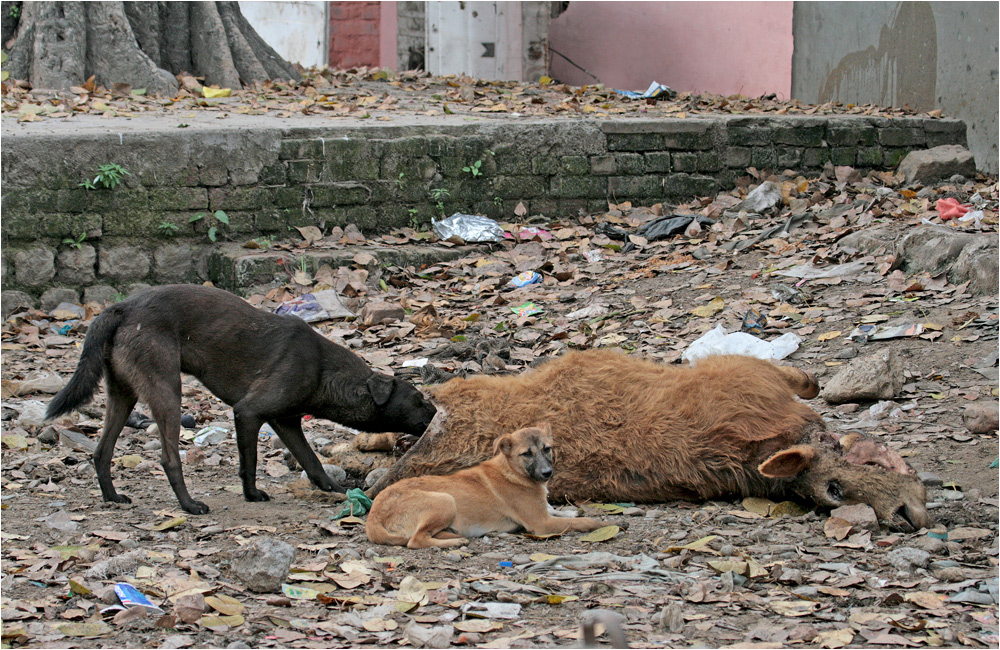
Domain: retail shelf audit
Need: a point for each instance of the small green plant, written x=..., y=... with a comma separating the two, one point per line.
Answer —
x=118, y=297
x=497, y=201
x=474, y=169
x=399, y=181
x=108, y=176
x=438, y=195
x=76, y=243
x=414, y=221
x=213, y=230
x=167, y=229
x=263, y=242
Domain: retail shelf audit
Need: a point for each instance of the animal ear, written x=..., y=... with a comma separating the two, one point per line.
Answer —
x=788, y=463
x=380, y=388
x=546, y=428
x=502, y=445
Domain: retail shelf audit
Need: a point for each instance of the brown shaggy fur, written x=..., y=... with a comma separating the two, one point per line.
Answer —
x=633, y=430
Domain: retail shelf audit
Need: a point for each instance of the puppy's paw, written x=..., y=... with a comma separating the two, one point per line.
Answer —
x=255, y=495
x=195, y=507
x=118, y=498
x=329, y=485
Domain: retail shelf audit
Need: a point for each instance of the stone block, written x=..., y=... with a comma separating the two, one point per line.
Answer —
x=239, y=198
x=99, y=293
x=689, y=185
x=841, y=156
x=173, y=263
x=850, y=132
x=738, y=157
x=937, y=164
x=892, y=157
x=799, y=135
x=34, y=267
x=12, y=301
x=545, y=165
x=579, y=187
x=901, y=136
x=298, y=149
x=751, y=135
x=76, y=265
x=630, y=164
x=869, y=157
x=939, y=132
x=763, y=157
x=346, y=193
x=304, y=171
x=512, y=160
x=635, y=142
x=574, y=165
x=624, y=188
x=67, y=225
x=53, y=297
x=519, y=187
x=275, y=174
x=812, y=158
x=657, y=162
x=603, y=165
x=789, y=157
x=123, y=263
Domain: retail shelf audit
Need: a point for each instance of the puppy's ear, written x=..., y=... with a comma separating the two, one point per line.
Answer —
x=546, y=428
x=380, y=388
x=502, y=445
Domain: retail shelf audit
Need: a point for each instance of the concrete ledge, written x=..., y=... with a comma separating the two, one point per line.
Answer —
x=271, y=175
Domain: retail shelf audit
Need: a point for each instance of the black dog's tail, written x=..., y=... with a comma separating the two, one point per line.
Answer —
x=83, y=384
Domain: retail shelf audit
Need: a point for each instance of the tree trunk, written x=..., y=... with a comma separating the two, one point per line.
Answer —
x=55, y=45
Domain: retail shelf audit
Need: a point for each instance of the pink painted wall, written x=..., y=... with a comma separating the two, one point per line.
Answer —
x=354, y=34
x=718, y=47
x=387, y=35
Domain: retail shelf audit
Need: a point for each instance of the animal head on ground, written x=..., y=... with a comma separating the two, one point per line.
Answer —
x=837, y=470
x=400, y=406
x=528, y=451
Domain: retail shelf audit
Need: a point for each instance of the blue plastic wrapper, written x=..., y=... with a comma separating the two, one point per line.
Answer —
x=524, y=279
x=655, y=90
x=132, y=597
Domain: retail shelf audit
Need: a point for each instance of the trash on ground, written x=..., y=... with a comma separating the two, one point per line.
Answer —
x=39, y=381
x=265, y=433
x=531, y=232
x=763, y=197
x=527, y=309
x=210, y=436
x=669, y=226
x=357, y=504
x=754, y=322
x=317, y=306
x=950, y=209
x=655, y=89
x=864, y=333
x=810, y=272
x=524, y=279
x=718, y=341
x=468, y=228
x=132, y=597
x=416, y=363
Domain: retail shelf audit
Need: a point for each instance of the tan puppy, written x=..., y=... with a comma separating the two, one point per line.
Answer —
x=503, y=494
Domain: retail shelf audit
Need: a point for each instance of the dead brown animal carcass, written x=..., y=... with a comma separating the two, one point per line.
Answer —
x=633, y=430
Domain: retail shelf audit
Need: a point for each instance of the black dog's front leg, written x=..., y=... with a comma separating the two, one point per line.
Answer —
x=290, y=431
x=247, y=427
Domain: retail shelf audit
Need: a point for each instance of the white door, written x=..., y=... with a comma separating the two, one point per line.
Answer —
x=296, y=30
x=480, y=39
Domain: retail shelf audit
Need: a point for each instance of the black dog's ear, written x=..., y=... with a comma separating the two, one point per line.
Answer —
x=380, y=388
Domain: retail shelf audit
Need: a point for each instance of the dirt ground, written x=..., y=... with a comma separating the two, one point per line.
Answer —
x=717, y=574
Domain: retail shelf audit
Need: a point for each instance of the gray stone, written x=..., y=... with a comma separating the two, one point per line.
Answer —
x=34, y=266
x=48, y=436
x=378, y=311
x=124, y=263
x=979, y=263
x=859, y=515
x=951, y=495
x=12, y=301
x=930, y=544
x=335, y=472
x=938, y=249
x=173, y=262
x=907, y=558
x=871, y=241
x=99, y=293
x=876, y=376
x=982, y=417
x=76, y=265
x=264, y=564
x=938, y=163
x=930, y=479
x=374, y=476
x=51, y=298
x=135, y=287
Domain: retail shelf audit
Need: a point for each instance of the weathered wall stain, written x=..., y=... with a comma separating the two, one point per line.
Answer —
x=901, y=71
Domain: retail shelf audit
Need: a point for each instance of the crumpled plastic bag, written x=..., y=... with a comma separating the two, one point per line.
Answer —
x=655, y=89
x=468, y=227
x=357, y=504
x=39, y=381
x=718, y=341
x=316, y=306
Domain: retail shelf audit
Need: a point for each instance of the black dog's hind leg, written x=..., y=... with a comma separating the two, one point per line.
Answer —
x=121, y=399
x=289, y=430
x=164, y=401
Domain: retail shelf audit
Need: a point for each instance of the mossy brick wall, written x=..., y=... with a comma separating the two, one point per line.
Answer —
x=272, y=179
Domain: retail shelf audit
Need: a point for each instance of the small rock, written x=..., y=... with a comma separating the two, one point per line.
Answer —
x=726, y=550
x=951, y=495
x=950, y=574
x=953, y=548
x=151, y=445
x=76, y=441
x=930, y=544
x=188, y=421
x=275, y=443
x=521, y=558
x=128, y=544
x=654, y=514
x=107, y=595
x=452, y=556
x=972, y=596
x=633, y=512
x=930, y=479
x=907, y=558
x=978, y=418
x=670, y=619
x=48, y=436
x=846, y=353
x=859, y=515
x=378, y=311
x=85, y=470
x=374, y=476
x=937, y=163
x=873, y=377
x=263, y=565
x=788, y=576
x=943, y=564
x=237, y=644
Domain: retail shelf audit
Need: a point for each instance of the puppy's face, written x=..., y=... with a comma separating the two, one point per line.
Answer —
x=529, y=452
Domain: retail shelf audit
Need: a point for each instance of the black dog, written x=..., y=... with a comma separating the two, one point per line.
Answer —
x=269, y=368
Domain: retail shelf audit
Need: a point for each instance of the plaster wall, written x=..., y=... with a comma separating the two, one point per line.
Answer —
x=930, y=55
x=716, y=47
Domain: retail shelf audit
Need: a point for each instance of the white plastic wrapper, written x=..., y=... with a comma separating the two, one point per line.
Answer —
x=717, y=341
x=470, y=227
